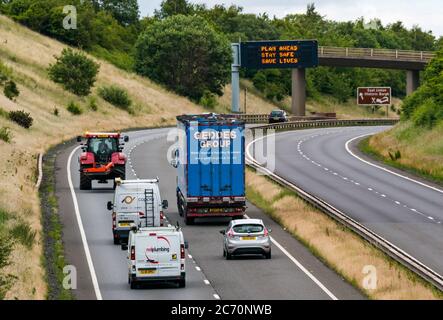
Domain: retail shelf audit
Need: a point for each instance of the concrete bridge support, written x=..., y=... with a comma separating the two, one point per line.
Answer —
x=412, y=81
x=299, y=92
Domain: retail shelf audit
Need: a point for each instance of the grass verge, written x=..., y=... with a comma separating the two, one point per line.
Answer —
x=366, y=148
x=338, y=247
x=54, y=255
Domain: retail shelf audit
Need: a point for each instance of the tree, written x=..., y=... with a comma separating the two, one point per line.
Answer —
x=74, y=71
x=186, y=54
x=124, y=11
x=170, y=8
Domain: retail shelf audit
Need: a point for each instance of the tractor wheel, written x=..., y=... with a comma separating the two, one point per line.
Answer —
x=85, y=182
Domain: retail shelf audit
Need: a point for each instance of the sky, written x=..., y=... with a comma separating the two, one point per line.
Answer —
x=428, y=14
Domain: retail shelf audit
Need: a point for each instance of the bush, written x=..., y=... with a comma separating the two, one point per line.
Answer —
x=208, y=100
x=5, y=134
x=6, y=245
x=427, y=114
x=22, y=118
x=75, y=72
x=93, y=104
x=11, y=91
x=116, y=96
x=74, y=108
x=56, y=112
x=24, y=234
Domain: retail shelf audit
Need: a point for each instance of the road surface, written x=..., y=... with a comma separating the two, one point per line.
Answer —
x=327, y=164
x=293, y=274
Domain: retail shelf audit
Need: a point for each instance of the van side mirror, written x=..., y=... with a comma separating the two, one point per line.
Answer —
x=110, y=206
x=79, y=139
x=223, y=232
x=126, y=139
x=165, y=204
x=269, y=230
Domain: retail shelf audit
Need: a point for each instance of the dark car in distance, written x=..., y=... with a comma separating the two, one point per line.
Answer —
x=278, y=116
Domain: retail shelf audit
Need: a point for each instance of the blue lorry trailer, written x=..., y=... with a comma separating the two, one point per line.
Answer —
x=210, y=162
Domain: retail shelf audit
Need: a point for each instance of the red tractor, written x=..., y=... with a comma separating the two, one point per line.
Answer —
x=102, y=158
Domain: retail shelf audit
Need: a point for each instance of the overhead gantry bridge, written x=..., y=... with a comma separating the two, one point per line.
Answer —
x=411, y=61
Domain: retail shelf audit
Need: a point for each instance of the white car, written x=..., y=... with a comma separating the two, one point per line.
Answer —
x=136, y=203
x=156, y=254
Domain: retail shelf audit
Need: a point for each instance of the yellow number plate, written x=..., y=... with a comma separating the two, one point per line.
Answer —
x=249, y=238
x=215, y=210
x=147, y=271
x=124, y=224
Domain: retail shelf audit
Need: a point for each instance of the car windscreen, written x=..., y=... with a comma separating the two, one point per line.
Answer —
x=276, y=113
x=248, y=228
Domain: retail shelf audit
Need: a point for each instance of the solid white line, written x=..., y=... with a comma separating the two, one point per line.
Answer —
x=82, y=230
x=382, y=168
x=206, y=282
x=302, y=268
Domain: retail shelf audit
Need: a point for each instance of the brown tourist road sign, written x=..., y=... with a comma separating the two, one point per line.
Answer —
x=374, y=96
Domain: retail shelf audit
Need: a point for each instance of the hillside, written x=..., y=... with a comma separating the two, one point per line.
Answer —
x=27, y=55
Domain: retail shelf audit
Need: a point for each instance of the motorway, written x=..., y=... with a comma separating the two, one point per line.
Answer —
x=405, y=210
x=292, y=273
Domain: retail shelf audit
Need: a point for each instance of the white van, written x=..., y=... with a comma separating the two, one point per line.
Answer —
x=136, y=203
x=156, y=254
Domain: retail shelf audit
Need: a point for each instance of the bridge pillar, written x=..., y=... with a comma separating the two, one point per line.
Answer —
x=412, y=81
x=299, y=92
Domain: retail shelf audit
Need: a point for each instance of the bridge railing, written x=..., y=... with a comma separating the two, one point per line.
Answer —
x=372, y=53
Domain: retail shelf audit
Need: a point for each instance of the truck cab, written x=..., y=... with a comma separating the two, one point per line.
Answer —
x=136, y=203
x=156, y=255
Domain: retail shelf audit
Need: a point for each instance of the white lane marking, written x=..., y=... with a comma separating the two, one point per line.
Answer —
x=348, y=149
x=206, y=282
x=82, y=230
x=189, y=256
x=216, y=296
x=302, y=268
x=198, y=268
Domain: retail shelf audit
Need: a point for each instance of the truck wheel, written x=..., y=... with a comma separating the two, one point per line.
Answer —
x=85, y=182
x=116, y=241
x=189, y=221
x=181, y=283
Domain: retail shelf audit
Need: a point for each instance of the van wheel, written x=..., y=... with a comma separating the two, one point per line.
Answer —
x=182, y=283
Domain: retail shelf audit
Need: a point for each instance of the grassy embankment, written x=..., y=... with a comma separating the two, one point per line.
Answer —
x=410, y=148
x=27, y=55
x=341, y=249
